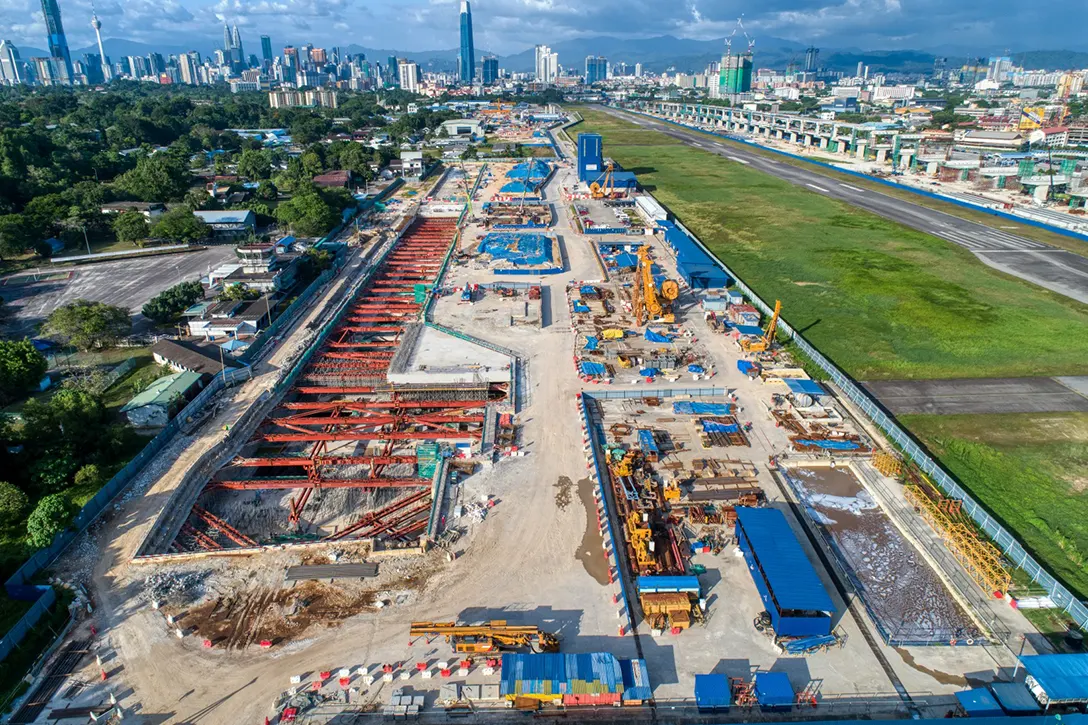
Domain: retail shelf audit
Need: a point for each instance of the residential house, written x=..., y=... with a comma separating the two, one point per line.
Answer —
x=160, y=401
x=411, y=163
x=151, y=210
x=340, y=179
x=231, y=224
x=184, y=356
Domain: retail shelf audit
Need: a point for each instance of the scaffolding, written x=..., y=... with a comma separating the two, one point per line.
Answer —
x=888, y=464
x=979, y=558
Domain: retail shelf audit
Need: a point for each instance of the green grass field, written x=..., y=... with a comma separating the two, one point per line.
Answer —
x=882, y=300
x=1029, y=470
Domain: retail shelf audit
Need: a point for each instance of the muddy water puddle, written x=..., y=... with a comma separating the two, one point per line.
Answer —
x=896, y=583
x=591, y=548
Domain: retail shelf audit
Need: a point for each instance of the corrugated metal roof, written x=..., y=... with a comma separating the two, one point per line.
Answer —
x=1014, y=697
x=668, y=584
x=163, y=391
x=773, y=688
x=792, y=578
x=1062, y=677
x=979, y=703
x=811, y=387
x=636, y=680
x=561, y=674
x=241, y=216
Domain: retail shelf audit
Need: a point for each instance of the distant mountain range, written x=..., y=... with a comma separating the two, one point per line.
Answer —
x=656, y=55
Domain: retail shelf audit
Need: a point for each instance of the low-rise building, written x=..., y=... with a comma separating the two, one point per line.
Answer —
x=463, y=127
x=1055, y=136
x=184, y=356
x=411, y=163
x=340, y=179
x=160, y=401
x=151, y=210
x=996, y=140
x=229, y=224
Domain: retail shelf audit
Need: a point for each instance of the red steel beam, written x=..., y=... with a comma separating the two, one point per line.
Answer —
x=332, y=390
x=226, y=529
x=373, y=419
x=203, y=540
x=372, y=517
x=375, y=436
x=383, y=404
x=304, y=462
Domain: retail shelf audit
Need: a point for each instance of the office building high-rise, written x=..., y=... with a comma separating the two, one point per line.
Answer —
x=226, y=37
x=489, y=69
x=266, y=50
x=547, y=64
x=596, y=69
x=638, y=70
x=736, y=75
x=11, y=72
x=391, y=71
x=58, y=44
x=812, y=59
x=467, y=57
x=408, y=75
x=187, y=68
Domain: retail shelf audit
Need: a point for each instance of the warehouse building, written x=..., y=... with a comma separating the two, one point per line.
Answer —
x=697, y=268
x=788, y=584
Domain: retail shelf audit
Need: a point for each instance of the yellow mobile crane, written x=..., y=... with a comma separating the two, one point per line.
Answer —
x=764, y=343
x=603, y=191
x=487, y=637
x=649, y=302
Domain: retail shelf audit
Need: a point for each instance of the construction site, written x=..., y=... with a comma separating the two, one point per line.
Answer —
x=604, y=486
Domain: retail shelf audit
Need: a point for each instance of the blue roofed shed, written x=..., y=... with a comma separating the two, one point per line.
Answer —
x=1057, y=678
x=1014, y=697
x=788, y=584
x=652, y=584
x=979, y=702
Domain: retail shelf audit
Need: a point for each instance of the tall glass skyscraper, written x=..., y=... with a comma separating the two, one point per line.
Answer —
x=266, y=49
x=467, y=58
x=58, y=44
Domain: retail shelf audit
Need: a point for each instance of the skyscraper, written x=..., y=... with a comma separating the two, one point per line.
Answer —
x=236, y=46
x=10, y=64
x=596, y=69
x=812, y=59
x=266, y=50
x=489, y=69
x=227, y=45
x=58, y=44
x=107, y=73
x=547, y=64
x=467, y=57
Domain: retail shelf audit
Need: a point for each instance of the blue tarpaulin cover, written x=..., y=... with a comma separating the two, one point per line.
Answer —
x=693, y=368
x=773, y=689
x=810, y=387
x=979, y=703
x=684, y=407
x=580, y=306
x=626, y=260
x=535, y=170
x=710, y=426
x=829, y=445
x=591, y=368
x=519, y=187
x=712, y=692
x=588, y=290
x=656, y=336
x=517, y=248
x=591, y=342
x=649, y=372
x=1062, y=677
x=646, y=441
x=746, y=366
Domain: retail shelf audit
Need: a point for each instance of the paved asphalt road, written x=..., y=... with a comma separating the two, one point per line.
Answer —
x=984, y=395
x=1049, y=267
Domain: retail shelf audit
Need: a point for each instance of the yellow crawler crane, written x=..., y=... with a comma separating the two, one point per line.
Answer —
x=980, y=558
x=639, y=536
x=650, y=303
x=764, y=343
x=487, y=637
x=604, y=190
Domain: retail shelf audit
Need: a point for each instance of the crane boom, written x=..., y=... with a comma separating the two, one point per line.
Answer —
x=487, y=637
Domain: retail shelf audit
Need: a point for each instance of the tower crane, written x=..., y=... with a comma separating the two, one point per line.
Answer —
x=649, y=302
x=729, y=38
x=487, y=636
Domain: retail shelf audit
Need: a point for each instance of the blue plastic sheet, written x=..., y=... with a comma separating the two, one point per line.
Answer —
x=587, y=290
x=697, y=369
x=591, y=342
x=626, y=260
x=710, y=426
x=580, y=306
x=591, y=368
x=520, y=187
x=517, y=248
x=747, y=366
x=829, y=445
x=535, y=170
x=649, y=372
x=646, y=441
x=685, y=407
x=656, y=336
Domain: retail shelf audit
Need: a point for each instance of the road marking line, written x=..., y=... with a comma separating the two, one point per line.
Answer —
x=852, y=188
x=818, y=188
x=739, y=161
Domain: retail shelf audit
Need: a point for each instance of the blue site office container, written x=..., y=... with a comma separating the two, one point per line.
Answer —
x=773, y=691
x=712, y=693
x=979, y=702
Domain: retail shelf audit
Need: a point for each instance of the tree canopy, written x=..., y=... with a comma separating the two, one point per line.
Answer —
x=168, y=304
x=21, y=368
x=181, y=226
x=308, y=214
x=89, y=325
x=131, y=226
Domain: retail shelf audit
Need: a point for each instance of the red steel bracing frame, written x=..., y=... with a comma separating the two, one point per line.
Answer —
x=202, y=540
x=223, y=527
x=350, y=366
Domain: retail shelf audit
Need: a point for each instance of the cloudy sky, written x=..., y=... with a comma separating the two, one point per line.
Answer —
x=510, y=26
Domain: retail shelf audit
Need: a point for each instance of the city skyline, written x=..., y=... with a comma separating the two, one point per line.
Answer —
x=514, y=26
